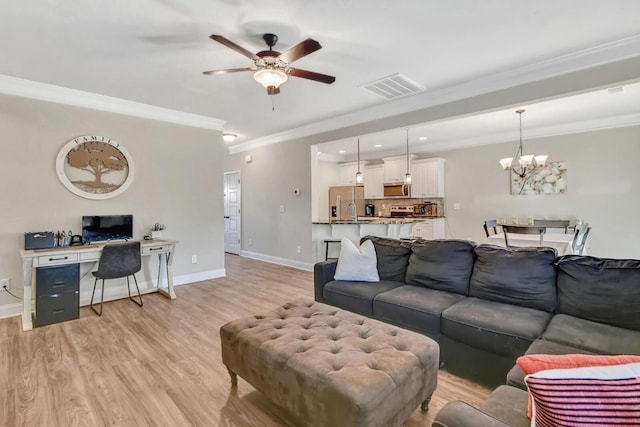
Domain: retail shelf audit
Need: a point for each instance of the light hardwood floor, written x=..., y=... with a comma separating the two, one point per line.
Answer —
x=159, y=365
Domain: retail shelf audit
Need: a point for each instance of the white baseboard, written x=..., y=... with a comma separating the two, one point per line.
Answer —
x=115, y=292
x=277, y=260
x=183, y=279
x=10, y=310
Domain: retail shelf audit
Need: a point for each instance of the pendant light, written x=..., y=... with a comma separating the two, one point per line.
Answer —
x=407, y=176
x=359, y=178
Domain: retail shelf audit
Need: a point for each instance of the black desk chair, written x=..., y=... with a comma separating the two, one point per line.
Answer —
x=119, y=260
x=490, y=227
x=516, y=229
x=553, y=223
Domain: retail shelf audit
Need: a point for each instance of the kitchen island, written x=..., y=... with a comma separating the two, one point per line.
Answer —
x=393, y=227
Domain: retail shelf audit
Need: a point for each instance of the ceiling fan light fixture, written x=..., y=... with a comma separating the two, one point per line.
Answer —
x=271, y=79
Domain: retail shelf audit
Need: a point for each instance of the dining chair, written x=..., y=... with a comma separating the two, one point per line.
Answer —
x=553, y=223
x=518, y=229
x=490, y=227
x=580, y=239
x=116, y=261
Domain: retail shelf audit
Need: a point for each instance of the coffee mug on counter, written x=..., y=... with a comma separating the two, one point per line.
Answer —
x=502, y=221
x=514, y=221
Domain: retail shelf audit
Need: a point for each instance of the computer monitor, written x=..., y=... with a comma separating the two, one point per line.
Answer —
x=100, y=228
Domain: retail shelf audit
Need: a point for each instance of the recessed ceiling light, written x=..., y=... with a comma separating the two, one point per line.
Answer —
x=341, y=151
x=378, y=145
x=423, y=138
x=229, y=137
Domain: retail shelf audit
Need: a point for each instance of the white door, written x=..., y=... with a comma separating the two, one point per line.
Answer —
x=232, y=212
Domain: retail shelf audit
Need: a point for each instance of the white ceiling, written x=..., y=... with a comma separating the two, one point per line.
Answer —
x=153, y=52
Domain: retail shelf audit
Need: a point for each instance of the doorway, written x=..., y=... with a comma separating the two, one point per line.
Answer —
x=232, y=212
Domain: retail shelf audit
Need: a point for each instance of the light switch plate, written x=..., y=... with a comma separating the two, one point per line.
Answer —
x=282, y=208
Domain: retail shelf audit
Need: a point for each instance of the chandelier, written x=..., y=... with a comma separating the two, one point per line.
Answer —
x=527, y=163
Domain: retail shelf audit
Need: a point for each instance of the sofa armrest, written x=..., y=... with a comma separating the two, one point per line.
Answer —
x=461, y=414
x=323, y=273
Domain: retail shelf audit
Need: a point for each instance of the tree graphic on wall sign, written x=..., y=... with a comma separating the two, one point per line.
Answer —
x=97, y=158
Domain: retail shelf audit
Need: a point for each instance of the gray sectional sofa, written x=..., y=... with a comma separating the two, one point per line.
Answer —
x=487, y=305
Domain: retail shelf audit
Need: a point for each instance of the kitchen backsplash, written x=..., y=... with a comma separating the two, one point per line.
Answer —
x=384, y=205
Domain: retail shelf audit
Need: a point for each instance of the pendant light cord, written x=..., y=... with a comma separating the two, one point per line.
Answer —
x=407, y=150
x=358, y=155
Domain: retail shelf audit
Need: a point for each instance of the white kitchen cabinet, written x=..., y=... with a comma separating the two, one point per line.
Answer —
x=395, y=168
x=429, y=229
x=373, y=182
x=348, y=172
x=427, y=178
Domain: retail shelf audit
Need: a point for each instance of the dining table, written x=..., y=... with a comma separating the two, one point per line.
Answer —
x=560, y=241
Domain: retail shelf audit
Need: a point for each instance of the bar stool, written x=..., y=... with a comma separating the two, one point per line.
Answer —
x=326, y=247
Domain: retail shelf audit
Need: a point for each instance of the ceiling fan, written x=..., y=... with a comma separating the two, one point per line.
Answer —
x=271, y=68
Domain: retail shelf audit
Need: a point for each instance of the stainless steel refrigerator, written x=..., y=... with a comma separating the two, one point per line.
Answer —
x=346, y=203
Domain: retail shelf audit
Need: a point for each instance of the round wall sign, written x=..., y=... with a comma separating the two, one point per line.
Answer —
x=95, y=167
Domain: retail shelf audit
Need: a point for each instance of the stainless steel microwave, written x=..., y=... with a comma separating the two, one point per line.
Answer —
x=397, y=190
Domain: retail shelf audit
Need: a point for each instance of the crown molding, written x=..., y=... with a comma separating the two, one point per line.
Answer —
x=77, y=98
x=537, y=133
x=607, y=53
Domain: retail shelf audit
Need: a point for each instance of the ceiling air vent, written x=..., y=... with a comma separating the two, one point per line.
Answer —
x=393, y=86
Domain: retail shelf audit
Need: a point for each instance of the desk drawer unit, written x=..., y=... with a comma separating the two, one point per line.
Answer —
x=57, y=259
x=57, y=294
x=146, y=250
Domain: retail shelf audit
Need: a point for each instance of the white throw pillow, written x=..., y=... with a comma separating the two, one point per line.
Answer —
x=357, y=264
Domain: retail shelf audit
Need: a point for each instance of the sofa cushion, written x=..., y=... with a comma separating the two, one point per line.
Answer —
x=600, y=289
x=592, y=336
x=393, y=256
x=503, y=329
x=509, y=405
x=356, y=297
x=414, y=307
x=522, y=276
x=515, y=377
x=444, y=265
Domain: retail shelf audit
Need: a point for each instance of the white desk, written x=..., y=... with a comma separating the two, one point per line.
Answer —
x=32, y=259
x=560, y=241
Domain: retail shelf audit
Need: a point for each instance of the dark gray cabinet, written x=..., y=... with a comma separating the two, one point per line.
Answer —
x=57, y=294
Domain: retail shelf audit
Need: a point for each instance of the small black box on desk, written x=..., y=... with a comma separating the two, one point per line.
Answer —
x=39, y=240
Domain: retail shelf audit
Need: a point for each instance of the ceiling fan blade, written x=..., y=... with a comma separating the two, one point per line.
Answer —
x=228, y=43
x=228, y=70
x=298, y=51
x=322, y=78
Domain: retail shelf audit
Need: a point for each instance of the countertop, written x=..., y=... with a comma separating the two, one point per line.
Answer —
x=377, y=220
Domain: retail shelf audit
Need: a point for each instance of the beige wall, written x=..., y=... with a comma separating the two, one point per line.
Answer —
x=268, y=183
x=603, y=188
x=178, y=182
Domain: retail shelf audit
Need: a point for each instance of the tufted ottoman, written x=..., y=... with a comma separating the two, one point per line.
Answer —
x=330, y=367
